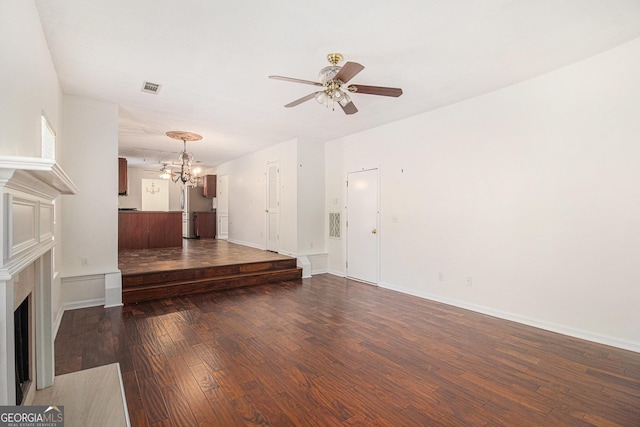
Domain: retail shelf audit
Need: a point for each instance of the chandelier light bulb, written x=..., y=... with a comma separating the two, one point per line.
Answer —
x=165, y=173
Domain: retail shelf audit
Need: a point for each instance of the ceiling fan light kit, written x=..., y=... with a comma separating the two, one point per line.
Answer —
x=333, y=79
x=165, y=172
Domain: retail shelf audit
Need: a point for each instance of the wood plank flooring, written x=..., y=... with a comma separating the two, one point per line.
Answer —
x=195, y=253
x=202, y=265
x=328, y=351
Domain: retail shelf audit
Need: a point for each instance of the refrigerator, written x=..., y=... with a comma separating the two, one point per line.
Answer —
x=193, y=201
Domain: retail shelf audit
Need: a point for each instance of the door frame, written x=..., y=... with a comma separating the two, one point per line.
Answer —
x=266, y=205
x=347, y=204
x=222, y=215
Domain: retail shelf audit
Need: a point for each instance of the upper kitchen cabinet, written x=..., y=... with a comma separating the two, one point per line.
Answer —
x=209, y=190
x=122, y=176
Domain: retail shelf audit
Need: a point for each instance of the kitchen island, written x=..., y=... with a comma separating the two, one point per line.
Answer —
x=145, y=229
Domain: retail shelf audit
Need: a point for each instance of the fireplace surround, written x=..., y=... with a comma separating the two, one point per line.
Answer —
x=30, y=187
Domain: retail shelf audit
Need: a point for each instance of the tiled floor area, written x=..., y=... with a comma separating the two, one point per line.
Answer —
x=194, y=253
x=84, y=403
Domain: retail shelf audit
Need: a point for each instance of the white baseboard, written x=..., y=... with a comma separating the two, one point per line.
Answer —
x=56, y=322
x=336, y=273
x=113, y=289
x=304, y=263
x=73, y=306
x=319, y=262
x=243, y=243
x=83, y=304
x=540, y=324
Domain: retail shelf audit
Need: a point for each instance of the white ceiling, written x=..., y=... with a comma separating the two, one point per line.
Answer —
x=212, y=59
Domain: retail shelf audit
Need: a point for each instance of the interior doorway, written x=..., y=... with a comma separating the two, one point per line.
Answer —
x=362, y=225
x=272, y=210
x=222, y=207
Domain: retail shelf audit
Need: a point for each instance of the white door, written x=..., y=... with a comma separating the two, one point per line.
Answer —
x=222, y=207
x=273, y=206
x=362, y=225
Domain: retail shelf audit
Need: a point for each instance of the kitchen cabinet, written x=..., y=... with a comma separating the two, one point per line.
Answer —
x=210, y=186
x=122, y=176
x=146, y=230
x=205, y=224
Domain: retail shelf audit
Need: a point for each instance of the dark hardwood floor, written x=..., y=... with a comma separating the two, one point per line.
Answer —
x=200, y=265
x=329, y=351
x=194, y=253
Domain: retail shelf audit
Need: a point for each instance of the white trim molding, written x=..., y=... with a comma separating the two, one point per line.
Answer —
x=29, y=187
x=536, y=323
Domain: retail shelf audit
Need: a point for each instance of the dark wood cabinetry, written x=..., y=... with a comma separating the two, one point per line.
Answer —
x=122, y=176
x=209, y=190
x=133, y=230
x=142, y=230
x=205, y=224
x=165, y=229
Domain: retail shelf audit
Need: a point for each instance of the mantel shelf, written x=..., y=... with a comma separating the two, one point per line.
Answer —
x=45, y=170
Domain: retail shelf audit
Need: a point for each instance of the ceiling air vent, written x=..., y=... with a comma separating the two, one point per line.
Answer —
x=151, y=87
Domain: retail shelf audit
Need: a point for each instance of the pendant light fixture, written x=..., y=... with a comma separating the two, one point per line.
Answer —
x=186, y=175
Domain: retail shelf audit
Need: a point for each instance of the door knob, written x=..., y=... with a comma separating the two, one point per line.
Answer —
x=374, y=231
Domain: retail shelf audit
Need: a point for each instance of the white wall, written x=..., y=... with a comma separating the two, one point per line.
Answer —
x=532, y=191
x=29, y=83
x=335, y=201
x=29, y=87
x=86, y=136
x=155, y=194
x=90, y=219
x=133, y=199
x=311, y=201
x=247, y=196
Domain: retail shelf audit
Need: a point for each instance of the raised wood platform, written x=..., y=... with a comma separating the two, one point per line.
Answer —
x=199, y=266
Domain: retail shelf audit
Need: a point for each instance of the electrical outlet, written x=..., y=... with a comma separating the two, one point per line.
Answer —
x=84, y=261
x=468, y=281
x=441, y=277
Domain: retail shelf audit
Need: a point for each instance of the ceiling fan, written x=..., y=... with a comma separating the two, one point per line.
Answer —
x=166, y=171
x=333, y=80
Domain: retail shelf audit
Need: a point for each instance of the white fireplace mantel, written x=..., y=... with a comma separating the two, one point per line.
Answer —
x=47, y=171
x=29, y=188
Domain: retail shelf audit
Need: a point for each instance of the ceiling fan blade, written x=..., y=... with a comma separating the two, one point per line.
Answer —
x=376, y=90
x=350, y=108
x=301, y=100
x=348, y=71
x=290, y=79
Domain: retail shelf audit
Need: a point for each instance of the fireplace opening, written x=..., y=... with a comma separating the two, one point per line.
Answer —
x=21, y=334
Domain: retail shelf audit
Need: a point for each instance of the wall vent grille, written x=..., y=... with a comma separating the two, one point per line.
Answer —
x=150, y=87
x=334, y=225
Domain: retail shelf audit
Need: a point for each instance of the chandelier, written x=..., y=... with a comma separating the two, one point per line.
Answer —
x=185, y=159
